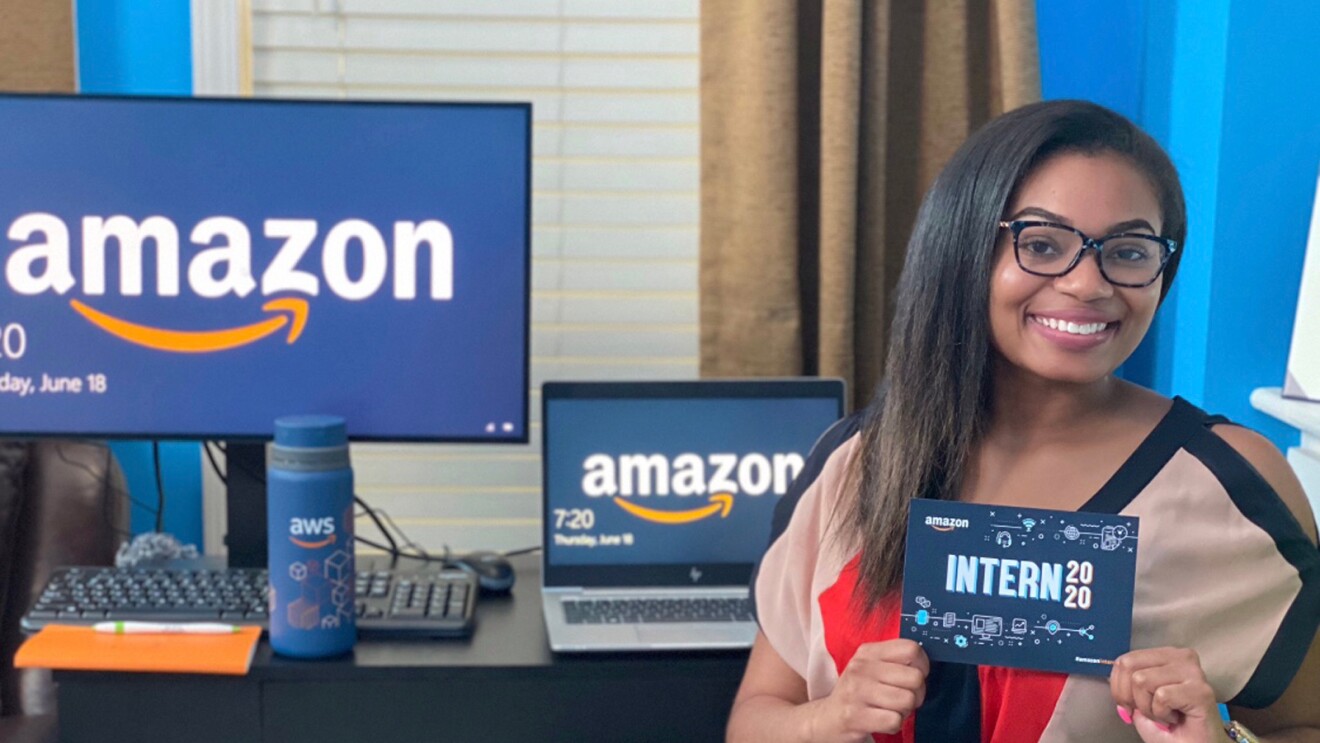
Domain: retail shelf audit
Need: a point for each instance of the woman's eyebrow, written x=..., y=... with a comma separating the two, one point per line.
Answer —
x=1128, y=226
x=1035, y=211
x=1131, y=224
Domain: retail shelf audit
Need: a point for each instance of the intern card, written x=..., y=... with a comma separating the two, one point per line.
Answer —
x=1019, y=587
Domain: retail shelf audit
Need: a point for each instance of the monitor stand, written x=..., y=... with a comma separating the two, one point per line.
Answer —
x=245, y=472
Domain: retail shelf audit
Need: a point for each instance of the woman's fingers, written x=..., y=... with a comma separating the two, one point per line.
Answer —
x=1120, y=678
x=900, y=700
x=1178, y=701
x=903, y=652
x=1164, y=691
x=1150, y=690
x=881, y=687
x=1120, y=682
x=877, y=673
x=876, y=720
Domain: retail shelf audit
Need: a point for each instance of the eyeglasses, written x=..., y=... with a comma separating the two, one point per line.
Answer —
x=1126, y=259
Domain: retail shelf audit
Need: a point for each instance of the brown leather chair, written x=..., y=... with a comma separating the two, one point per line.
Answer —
x=61, y=503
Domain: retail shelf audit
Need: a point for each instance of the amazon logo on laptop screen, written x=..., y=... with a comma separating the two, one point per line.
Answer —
x=665, y=481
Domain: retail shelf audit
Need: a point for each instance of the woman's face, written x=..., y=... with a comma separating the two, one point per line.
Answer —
x=1030, y=315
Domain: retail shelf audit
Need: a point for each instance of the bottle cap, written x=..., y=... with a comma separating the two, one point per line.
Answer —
x=310, y=431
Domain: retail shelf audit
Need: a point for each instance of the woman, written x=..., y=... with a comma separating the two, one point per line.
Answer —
x=1000, y=390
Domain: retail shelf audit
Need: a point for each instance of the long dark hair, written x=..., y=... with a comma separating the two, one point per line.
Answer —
x=933, y=404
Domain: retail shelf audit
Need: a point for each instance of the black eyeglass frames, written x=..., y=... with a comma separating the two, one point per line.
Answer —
x=1130, y=259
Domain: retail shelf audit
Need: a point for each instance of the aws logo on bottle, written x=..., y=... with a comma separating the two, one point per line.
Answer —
x=312, y=533
x=669, y=486
x=220, y=264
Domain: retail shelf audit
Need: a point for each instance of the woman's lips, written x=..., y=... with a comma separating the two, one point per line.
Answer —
x=1071, y=333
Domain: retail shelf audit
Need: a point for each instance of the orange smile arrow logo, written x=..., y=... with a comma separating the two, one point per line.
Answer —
x=292, y=312
x=314, y=545
x=720, y=503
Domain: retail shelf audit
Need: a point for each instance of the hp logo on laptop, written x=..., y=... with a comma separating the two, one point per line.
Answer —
x=695, y=574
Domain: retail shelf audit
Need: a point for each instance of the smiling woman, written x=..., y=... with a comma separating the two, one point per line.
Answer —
x=1000, y=389
x=1054, y=312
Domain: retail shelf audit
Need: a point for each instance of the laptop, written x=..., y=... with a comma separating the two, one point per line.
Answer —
x=657, y=499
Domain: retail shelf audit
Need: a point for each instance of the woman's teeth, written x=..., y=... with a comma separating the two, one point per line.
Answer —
x=1089, y=328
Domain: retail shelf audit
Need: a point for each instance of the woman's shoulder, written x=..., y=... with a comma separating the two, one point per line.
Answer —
x=1239, y=457
x=1269, y=464
x=1238, y=449
x=827, y=462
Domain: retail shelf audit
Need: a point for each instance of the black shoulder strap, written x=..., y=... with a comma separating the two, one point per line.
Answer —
x=1183, y=421
x=832, y=439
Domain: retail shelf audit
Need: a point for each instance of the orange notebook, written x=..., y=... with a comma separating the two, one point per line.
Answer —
x=83, y=649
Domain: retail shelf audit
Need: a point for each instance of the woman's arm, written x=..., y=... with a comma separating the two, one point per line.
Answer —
x=1295, y=717
x=770, y=704
x=881, y=686
x=1261, y=454
x=1167, y=686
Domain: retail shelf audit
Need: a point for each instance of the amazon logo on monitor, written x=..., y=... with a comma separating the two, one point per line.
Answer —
x=223, y=266
x=670, y=487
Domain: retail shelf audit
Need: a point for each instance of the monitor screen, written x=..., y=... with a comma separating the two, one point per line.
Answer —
x=196, y=268
x=644, y=480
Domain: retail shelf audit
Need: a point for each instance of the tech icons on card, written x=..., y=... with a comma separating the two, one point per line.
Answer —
x=987, y=626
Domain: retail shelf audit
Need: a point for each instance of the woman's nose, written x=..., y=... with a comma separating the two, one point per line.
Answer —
x=1085, y=281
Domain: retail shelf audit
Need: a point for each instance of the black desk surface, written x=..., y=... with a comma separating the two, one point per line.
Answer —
x=503, y=683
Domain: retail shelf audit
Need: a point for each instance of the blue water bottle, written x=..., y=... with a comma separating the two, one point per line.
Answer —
x=309, y=506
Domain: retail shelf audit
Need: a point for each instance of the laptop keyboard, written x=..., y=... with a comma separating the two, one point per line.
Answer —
x=649, y=610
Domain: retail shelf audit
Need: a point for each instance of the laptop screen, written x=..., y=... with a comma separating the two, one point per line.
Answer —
x=671, y=483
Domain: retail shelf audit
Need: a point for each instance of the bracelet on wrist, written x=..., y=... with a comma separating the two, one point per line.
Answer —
x=1238, y=733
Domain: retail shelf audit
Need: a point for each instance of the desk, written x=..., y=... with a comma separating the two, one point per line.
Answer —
x=502, y=684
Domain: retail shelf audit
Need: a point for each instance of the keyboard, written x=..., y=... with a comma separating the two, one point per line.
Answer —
x=656, y=610
x=390, y=603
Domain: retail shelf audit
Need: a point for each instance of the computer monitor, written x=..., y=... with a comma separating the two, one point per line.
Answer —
x=195, y=268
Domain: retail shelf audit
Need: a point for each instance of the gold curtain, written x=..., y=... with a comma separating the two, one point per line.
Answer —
x=36, y=46
x=822, y=124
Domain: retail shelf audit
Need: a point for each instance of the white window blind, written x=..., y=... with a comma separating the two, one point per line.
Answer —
x=613, y=85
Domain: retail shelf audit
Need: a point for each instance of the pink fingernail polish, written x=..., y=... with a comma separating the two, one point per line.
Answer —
x=1124, y=715
x=1162, y=727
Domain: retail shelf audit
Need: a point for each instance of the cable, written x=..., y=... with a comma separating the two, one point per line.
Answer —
x=410, y=548
x=255, y=475
x=59, y=451
x=215, y=467
x=394, y=547
x=425, y=557
x=418, y=551
x=160, y=487
x=108, y=487
x=406, y=540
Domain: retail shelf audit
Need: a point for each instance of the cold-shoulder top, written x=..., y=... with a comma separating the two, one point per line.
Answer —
x=1223, y=567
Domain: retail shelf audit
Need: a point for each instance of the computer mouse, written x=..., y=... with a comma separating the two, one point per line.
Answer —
x=494, y=573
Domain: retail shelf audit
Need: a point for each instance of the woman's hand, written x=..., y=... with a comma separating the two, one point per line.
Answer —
x=879, y=688
x=1164, y=693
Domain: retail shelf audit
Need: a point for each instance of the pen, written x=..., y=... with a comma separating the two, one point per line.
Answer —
x=141, y=628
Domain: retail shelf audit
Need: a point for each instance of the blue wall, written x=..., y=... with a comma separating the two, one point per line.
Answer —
x=1267, y=181
x=1232, y=89
x=140, y=48
x=129, y=46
